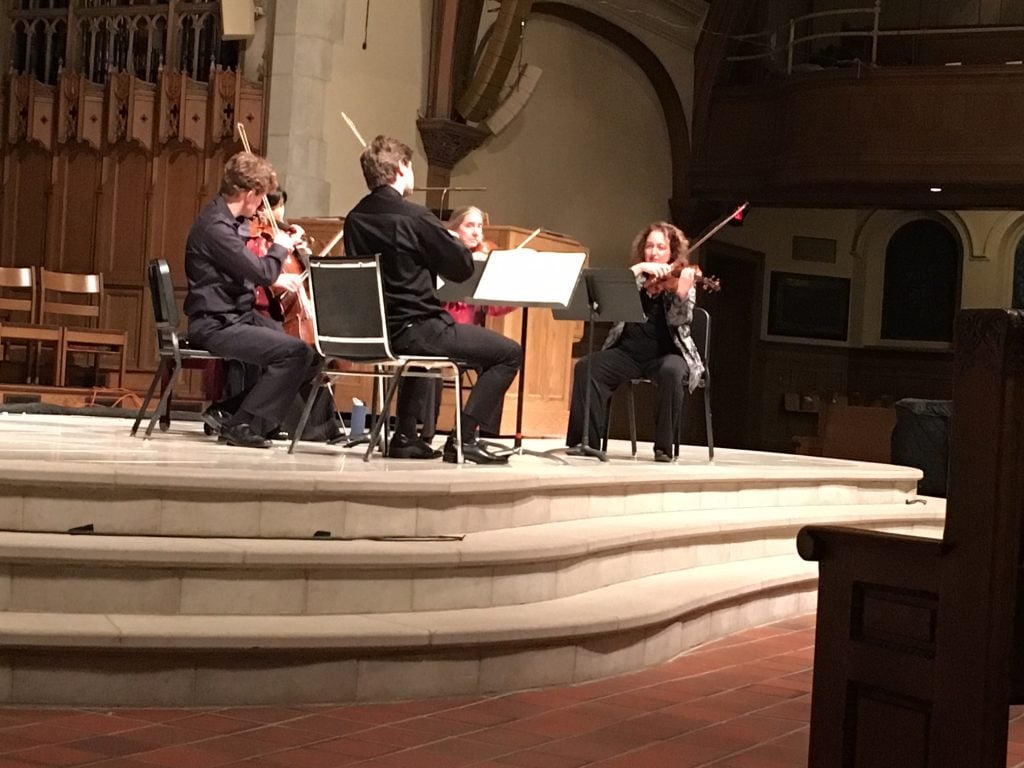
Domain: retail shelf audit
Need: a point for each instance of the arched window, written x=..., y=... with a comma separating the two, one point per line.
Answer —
x=1018, y=276
x=922, y=281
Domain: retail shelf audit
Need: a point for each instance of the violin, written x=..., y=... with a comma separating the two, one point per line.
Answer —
x=656, y=285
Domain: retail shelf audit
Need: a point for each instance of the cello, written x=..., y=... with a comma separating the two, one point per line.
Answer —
x=296, y=306
x=291, y=308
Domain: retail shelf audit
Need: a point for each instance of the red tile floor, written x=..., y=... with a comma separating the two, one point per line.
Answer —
x=740, y=702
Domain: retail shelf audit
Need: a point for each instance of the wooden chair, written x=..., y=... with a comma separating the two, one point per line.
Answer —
x=80, y=296
x=919, y=647
x=700, y=331
x=19, y=323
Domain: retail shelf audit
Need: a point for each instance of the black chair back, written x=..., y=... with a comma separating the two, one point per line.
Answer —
x=165, y=311
x=348, y=308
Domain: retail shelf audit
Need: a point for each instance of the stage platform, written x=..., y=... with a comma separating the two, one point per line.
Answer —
x=177, y=571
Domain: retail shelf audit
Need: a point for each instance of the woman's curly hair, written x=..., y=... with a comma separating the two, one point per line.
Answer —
x=679, y=246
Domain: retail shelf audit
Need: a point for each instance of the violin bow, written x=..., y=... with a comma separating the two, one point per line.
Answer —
x=710, y=233
x=352, y=127
x=266, y=203
x=303, y=296
x=528, y=239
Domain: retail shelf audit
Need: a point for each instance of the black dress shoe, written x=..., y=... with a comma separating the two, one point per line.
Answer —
x=662, y=456
x=243, y=436
x=403, y=447
x=214, y=419
x=472, y=452
x=277, y=434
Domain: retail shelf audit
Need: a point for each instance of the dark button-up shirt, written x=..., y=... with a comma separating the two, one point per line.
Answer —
x=414, y=249
x=221, y=271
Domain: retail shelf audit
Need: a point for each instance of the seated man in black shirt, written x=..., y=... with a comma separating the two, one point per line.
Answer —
x=222, y=274
x=414, y=249
x=660, y=349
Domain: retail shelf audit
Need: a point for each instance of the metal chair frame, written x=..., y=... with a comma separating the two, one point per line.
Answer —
x=174, y=353
x=344, y=287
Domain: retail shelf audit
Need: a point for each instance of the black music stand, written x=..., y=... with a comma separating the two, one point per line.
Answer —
x=507, y=279
x=610, y=295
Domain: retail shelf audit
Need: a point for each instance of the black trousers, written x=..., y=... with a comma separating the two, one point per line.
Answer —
x=286, y=364
x=497, y=359
x=612, y=367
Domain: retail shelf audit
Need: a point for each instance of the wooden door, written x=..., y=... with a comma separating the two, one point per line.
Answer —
x=735, y=329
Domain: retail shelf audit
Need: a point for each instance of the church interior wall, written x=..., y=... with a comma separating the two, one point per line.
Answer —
x=587, y=156
x=987, y=238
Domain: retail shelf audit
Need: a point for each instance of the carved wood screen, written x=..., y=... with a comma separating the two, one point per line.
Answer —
x=117, y=116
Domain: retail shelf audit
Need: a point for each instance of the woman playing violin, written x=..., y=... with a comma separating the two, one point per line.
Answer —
x=468, y=224
x=659, y=349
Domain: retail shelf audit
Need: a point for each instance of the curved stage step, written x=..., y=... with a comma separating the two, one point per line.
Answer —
x=203, y=582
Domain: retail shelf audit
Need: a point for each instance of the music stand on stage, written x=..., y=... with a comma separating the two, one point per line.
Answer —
x=610, y=295
x=510, y=278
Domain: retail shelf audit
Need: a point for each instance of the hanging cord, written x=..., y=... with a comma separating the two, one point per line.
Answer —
x=366, y=24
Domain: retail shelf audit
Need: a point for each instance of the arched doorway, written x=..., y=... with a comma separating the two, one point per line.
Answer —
x=922, y=283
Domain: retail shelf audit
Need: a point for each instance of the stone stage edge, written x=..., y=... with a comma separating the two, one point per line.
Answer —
x=174, y=571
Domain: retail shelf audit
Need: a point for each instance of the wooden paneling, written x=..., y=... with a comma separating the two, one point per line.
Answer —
x=27, y=188
x=122, y=308
x=852, y=134
x=105, y=178
x=864, y=376
x=75, y=214
x=127, y=192
x=178, y=180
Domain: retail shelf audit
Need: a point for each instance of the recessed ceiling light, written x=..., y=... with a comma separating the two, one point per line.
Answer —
x=935, y=189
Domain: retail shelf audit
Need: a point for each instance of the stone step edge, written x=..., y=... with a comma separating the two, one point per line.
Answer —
x=652, y=600
x=510, y=546
x=313, y=486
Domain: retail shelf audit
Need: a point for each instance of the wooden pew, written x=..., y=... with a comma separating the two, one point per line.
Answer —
x=918, y=651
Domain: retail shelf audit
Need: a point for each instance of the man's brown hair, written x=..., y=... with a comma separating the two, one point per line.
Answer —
x=381, y=159
x=246, y=171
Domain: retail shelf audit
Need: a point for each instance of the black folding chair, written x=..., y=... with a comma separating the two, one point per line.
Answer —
x=700, y=332
x=174, y=352
x=351, y=325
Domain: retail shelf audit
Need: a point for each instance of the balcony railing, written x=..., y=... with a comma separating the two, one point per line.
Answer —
x=797, y=47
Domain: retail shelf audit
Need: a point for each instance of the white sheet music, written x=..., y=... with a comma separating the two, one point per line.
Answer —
x=527, y=278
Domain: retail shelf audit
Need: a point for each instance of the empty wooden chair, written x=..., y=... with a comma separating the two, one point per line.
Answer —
x=65, y=295
x=20, y=327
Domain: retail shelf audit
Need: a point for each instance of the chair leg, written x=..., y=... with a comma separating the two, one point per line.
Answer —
x=707, y=420
x=607, y=425
x=165, y=412
x=385, y=411
x=165, y=400
x=458, y=416
x=307, y=408
x=632, y=419
x=149, y=395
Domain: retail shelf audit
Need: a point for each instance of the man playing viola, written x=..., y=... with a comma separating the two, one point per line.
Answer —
x=222, y=274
